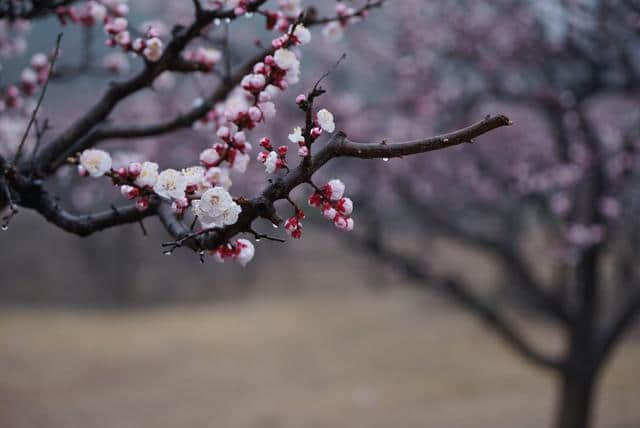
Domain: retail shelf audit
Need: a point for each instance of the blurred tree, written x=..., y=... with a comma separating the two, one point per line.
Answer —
x=569, y=71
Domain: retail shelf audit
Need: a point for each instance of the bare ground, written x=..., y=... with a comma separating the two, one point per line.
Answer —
x=356, y=360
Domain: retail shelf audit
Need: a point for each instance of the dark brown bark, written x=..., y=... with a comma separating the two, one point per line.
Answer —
x=575, y=400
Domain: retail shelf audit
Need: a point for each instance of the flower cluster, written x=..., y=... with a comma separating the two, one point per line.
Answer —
x=111, y=14
x=334, y=30
x=216, y=208
x=335, y=207
x=288, y=11
x=242, y=251
x=323, y=122
x=205, y=188
x=150, y=45
x=12, y=41
x=92, y=12
x=13, y=96
x=232, y=148
x=207, y=58
x=273, y=160
x=293, y=225
x=239, y=7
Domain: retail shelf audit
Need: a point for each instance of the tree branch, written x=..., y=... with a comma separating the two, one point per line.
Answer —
x=339, y=146
x=55, y=153
x=462, y=296
x=181, y=121
x=510, y=257
x=35, y=197
x=43, y=92
x=393, y=150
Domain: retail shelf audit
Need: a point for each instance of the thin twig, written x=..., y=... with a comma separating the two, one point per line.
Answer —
x=42, y=94
x=258, y=236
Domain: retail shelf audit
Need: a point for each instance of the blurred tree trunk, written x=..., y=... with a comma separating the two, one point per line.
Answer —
x=575, y=401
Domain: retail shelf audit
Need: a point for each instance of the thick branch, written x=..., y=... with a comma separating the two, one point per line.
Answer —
x=35, y=196
x=181, y=121
x=55, y=153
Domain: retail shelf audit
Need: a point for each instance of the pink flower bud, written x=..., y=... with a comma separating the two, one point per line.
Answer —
x=135, y=168
x=239, y=138
x=39, y=61
x=129, y=192
x=340, y=222
x=345, y=206
x=316, y=132
x=142, y=204
x=266, y=143
x=259, y=68
x=223, y=132
x=329, y=213
x=291, y=224
x=255, y=114
x=258, y=81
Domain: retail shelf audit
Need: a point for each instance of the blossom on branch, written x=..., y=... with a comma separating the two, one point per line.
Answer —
x=94, y=162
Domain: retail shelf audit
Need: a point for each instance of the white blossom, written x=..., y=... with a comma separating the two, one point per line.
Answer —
x=290, y=8
x=170, y=184
x=296, y=137
x=193, y=175
x=302, y=34
x=268, y=110
x=325, y=119
x=148, y=175
x=97, y=11
x=337, y=189
x=209, y=157
x=333, y=31
x=216, y=208
x=240, y=162
x=271, y=162
x=95, y=162
x=246, y=253
x=153, y=51
x=285, y=59
x=217, y=177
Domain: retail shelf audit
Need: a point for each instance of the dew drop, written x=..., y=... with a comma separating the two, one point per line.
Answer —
x=167, y=253
x=5, y=227
x=216, y=21
x=201, y=253
x=385, y=159
x=227, y=20
x=248, y=15
x=257, y=239
x=275, y=226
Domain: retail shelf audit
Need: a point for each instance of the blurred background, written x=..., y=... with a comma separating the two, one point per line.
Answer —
x=493, y=284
